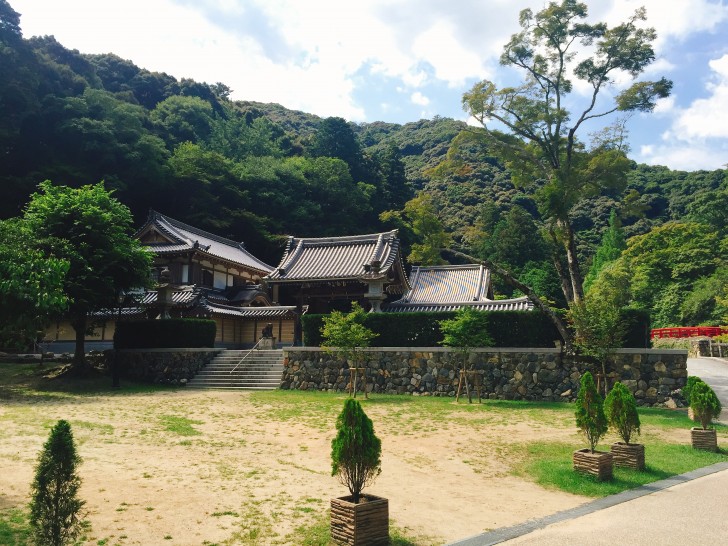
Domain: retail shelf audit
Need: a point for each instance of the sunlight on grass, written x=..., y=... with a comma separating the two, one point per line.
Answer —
x=550, y=464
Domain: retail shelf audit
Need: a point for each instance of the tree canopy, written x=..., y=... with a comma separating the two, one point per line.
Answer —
x=543, y=119
x=92, y=232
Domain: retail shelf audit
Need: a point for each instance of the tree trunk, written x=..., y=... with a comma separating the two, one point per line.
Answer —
x=510, y=279
x=577, y=284
x=558, y=265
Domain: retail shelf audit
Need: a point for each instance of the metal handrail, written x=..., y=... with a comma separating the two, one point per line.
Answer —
x=246, y=355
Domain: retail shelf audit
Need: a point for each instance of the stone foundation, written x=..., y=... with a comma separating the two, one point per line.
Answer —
x=653, y=376
x=162, y=366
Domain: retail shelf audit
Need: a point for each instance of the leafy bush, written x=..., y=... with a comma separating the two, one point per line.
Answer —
x=356, y=450
x=590, y=416
x=620, y=408
x=167, y=333
x=55, y=509
x=705, y=403
x=689, y=384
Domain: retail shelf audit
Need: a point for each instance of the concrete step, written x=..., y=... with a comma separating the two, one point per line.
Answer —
x=253, y=370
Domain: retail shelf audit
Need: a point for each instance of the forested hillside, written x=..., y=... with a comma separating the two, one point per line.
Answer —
x=254, y=172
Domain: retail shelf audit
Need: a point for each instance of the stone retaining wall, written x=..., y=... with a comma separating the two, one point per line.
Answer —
x=161, y=366
x=652, y=375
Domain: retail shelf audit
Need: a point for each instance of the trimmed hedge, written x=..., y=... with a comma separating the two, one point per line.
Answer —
x=506, y=328
x=167, y=333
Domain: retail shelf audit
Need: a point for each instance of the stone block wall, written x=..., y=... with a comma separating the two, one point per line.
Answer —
x=161, y=366
x=654, y=376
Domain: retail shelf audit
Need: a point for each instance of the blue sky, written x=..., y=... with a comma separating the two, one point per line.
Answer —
x=397, y=60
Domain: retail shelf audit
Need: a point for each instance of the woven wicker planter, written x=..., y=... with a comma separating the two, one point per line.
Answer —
x=357, y=524
x=629, y=455
x=704, y=439
x=597, y=464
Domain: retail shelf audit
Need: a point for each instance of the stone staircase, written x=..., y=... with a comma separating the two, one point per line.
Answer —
x=261, y=370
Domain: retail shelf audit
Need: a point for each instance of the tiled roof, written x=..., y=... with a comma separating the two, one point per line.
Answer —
x=271, y=312
x=332, y=258
x=448, y=284
x=516, y=304
x=448, y=288
x=186, y=237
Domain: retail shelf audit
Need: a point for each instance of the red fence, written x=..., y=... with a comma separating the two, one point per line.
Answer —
x=691, y=331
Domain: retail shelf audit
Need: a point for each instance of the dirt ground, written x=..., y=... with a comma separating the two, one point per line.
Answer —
x=218, y=467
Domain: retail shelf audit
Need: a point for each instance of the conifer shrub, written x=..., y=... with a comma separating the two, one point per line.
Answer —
x=705, y=403
x=590, y=416
x=55, y=509
x=689, y=384
x=356, y=450
x=620, y=408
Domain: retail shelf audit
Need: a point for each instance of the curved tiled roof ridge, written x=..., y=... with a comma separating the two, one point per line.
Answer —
x=367, y=237
x=184, y=233
x=198, y=231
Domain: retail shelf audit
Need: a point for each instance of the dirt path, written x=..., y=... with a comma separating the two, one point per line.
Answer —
x=239, y=473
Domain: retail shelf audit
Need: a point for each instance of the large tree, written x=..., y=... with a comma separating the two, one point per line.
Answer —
x=93, y=232
x=543, y=117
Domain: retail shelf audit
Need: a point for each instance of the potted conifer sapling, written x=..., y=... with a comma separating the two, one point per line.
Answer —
x=355, y=454
x=689, y=384
x=620, y=408
x=706, y=407
x=592, y=422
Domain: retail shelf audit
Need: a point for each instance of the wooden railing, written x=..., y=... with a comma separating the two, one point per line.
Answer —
x=688, y=331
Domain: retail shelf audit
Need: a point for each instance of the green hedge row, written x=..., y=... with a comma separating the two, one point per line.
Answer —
x=506, y=328
x=167, y=333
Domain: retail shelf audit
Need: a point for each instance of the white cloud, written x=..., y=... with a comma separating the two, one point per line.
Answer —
x=705, y=117
x=419, y=99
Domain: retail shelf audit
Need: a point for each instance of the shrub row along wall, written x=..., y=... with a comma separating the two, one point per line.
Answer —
x=161, y=366
x=528, y=374
x=505, y=328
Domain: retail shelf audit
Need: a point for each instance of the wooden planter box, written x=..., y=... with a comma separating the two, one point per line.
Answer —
x=704, y=439
x=359, y=524
x=597, y=464
x=629, y=455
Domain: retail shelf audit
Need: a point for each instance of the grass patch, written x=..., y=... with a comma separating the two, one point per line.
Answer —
x=550, y=464
x=180, y=425
x=23, y=380
x=14, y=527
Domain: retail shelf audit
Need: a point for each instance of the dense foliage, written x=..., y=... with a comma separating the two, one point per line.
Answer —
x=356, y=450
x=173, y=332
x=55, y=509
x=253, y=172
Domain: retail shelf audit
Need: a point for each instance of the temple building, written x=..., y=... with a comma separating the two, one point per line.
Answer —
x=199, y=274
x=330, y=273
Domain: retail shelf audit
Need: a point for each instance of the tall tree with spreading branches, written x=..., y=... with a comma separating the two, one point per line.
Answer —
x=543, y=118
x=93, y=232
